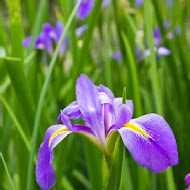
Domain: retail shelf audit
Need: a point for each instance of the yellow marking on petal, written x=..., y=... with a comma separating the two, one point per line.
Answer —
x=134, y=127
x=55, y=134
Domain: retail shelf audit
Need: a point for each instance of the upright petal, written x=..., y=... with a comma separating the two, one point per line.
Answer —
x=45, y=175
x=90, y=106
x=102, y=88
x=49, y=30
x=118, y=103
x=85, y=8
x=151, y=142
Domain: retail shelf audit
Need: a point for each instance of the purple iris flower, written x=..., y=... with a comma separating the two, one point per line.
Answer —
x=86, y=6
x=117, y=56
x=50, y=36
x=149, y=138
x=187, y=179
x=161, y=51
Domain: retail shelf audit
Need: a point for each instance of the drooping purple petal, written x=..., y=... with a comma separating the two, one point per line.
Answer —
x=157, y=36
x=187, y=179
x=105, y=3
x=117, y=56
x=151, y=142
x=45, y=175
x=139, y=3
x=85, y=8
x=90, y=106
x=81, y=30
x=26, y=41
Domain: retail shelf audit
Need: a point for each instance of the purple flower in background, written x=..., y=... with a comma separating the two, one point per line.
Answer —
x=117, y=56
x=26, y=41
x=157, y=36
x=169, y=3
x=149, y=138
x=161, y=51
x=187, y=179
x=50, y=36
x=139, y=3
x=86, y=6
x=105, y=3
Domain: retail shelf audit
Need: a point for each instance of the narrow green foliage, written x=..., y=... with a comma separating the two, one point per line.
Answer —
x=15, y=28
x=16, y=122
x=7, y=172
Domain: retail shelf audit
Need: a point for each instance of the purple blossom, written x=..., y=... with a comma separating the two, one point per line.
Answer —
x=50, y=36
x=26, y=41
x=139, y=3
x=86, y=6
x=161, y=51
x=157, y=36
x=149, y=138
x=117, y=56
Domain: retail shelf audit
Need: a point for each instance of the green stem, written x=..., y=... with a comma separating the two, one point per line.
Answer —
x=42, y=96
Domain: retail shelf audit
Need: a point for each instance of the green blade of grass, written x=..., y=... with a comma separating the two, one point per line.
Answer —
x=134, y=76
x=16, y=30
x=7, y=171
x=17, y=124
x=21, y=88
x=42, y=96
x=155, y=79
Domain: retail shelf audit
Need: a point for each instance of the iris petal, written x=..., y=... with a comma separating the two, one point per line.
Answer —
x=45, y=175
x=90, y=106
x=151, y=142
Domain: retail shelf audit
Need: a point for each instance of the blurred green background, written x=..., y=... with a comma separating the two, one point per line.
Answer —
x=155, y=85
